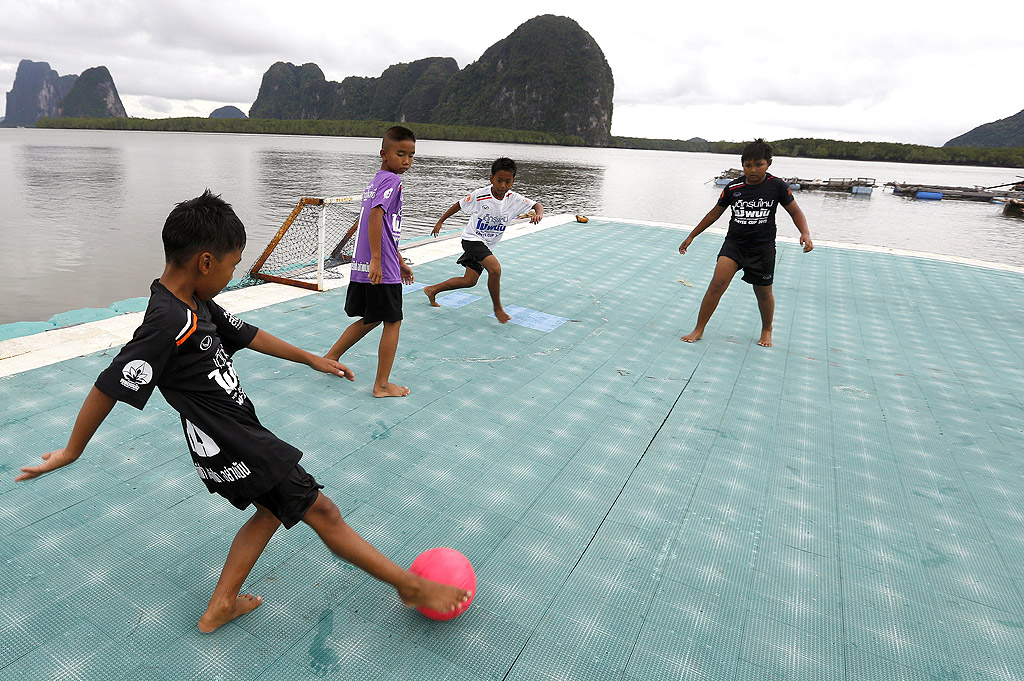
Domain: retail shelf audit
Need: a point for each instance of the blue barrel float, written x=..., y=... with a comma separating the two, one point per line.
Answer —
x=928, y=196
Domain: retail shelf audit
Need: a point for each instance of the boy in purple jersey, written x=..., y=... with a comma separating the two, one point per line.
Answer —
x=750, y=242
x=184, y=346
x=490, y=211
x=378, y=271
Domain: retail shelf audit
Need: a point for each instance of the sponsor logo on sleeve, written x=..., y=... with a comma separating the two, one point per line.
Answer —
x=233, y=320
x=136, y=373
x=387, y=194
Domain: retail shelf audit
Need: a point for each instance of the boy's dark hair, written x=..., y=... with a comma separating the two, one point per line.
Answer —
x=397, y=133
x=205, y=223
x=504, y=163
x=758, y=149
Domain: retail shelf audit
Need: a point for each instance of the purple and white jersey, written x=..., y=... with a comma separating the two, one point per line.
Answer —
x=384, y=190
x=488, y=216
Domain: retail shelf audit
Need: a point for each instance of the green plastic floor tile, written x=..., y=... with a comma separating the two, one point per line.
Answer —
x=844, y=505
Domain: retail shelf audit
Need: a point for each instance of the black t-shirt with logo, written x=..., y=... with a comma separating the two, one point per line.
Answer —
x=187, y=354
x=753, y=209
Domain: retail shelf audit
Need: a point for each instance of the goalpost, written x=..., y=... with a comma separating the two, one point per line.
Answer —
x=315, y=242
x=316, y=238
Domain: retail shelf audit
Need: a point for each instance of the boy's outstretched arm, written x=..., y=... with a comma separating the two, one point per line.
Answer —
x=275, y=347
x=90, y=416
x=447, y=214
x=704, y=223
x=538, y=213
x=801, y=223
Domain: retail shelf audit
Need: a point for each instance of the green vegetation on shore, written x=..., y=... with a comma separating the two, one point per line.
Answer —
x=999, y=157
x=273, y=126
x=891, y=152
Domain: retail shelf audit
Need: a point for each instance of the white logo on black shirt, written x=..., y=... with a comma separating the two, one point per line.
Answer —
x=206, y=343
x=136, y=373
x=233, y=320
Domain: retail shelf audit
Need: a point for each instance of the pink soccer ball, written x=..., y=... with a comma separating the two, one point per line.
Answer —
x=446, y=566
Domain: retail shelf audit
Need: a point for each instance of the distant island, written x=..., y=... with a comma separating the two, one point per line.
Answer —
x=797, y=147
x=548, y=76
x=40, y=92
x=1006, y=132
x=548, y=82
x=228, y=112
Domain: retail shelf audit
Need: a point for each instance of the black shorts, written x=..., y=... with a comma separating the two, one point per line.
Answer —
x=475, y=253
x=374, y=302
x=292, y=497
x=757, y=262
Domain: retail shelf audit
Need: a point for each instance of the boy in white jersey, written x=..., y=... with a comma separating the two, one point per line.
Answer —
x=490, y=210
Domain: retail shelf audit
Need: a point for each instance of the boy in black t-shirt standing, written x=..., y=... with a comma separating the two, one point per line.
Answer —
x=184, y=346
x=750, y=242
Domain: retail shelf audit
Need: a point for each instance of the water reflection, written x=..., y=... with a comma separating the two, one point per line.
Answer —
x=433, y=184
x=83, y=209
x=284, y=176
x=62, y=212
x=56, y=178
x=71, y=173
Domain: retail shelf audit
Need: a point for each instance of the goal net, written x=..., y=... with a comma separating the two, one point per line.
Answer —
x=314, y=241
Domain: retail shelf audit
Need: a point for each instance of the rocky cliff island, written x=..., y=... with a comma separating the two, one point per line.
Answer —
x=548, y=76
x=40, y=92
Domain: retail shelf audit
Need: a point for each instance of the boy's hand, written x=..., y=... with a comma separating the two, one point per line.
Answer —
x=536, y=215
x=51, y=461
x=329, y=366
x=686, y=244
x=407, y=275
x=437, y=229
x=805, y=239
x=375, y=274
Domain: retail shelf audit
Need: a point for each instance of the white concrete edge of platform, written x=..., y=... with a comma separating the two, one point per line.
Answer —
x=56, y=345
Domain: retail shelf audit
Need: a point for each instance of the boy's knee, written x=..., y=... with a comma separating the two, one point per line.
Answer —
x=718, y=286
x=323, y=510
x=493, y=269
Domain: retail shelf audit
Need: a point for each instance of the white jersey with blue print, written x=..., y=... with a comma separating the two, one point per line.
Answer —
x=488, y=216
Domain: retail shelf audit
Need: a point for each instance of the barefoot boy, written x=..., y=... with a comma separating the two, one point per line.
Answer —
x=184, y=346
x=750, y=242
x=490, y=210
x=378, y=271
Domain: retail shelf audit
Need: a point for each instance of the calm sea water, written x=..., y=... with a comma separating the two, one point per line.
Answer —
x=81, y=211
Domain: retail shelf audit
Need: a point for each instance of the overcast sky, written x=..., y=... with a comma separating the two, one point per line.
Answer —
x=899, y=71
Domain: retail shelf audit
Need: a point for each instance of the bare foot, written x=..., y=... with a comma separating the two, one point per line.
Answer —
x=766, y=339
x=694, y=335
x=390, y=390
x=502, y=316
x=423, y=593
x=429, y=290
x=215, y=617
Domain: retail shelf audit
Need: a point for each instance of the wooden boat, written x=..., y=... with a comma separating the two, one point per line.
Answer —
x=727, y=176
x=854, y=185
x=937, y=192
x=1013, y=208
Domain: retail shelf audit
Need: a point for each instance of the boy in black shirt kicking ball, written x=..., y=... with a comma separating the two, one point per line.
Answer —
x=750, y=242
x=184, y=346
